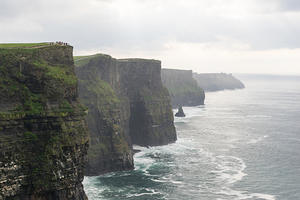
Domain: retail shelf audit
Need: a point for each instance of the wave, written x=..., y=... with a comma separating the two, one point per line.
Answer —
x=147, y=192
x=242, y=195
x=230, y=169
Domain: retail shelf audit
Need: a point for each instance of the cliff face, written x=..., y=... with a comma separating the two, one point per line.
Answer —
x=151, y=118
x=218, y=81
x=183, y=89
x=108, y=117
x=43, y=136
x=127, y=105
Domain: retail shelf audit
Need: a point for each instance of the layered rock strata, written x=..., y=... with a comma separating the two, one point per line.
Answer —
x=128, y=105
x=43, y=135
x=108, y=117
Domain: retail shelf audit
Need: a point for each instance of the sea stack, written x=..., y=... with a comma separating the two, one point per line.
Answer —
x=180, y=112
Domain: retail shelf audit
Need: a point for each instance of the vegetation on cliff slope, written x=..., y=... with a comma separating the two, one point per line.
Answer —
x=41, y=123
x=31, y=82
x=109, y=150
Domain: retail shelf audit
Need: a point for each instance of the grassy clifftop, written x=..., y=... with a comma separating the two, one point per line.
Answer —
x=23, y=45
x=34, y=81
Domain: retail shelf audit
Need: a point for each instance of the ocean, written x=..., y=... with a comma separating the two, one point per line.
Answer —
x=241, y=145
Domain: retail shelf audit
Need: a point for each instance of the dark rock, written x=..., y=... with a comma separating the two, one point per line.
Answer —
x=180, y=112
x=136, y=151
x=182, y=87
x=151, y=119
x=127, y=105
x=43, y=135
x=108, y=117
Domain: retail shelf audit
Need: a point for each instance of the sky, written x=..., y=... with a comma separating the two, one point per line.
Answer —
x=233, y=36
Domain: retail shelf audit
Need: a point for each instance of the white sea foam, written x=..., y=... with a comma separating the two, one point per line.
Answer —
x=230, y=169
x=149, y=192
x=92, y=190
x=244, y=195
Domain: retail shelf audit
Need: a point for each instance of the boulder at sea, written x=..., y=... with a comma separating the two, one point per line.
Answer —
x=180, y=112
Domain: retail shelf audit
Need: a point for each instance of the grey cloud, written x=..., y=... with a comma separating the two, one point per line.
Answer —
x=103, y=27
x=290, y=5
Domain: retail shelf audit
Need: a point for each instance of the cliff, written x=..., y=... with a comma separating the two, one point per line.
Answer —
x=218, y=81
x=108, y=117
x=183, y=89
x=43, y=135
x=151, y=116
x=127, y=105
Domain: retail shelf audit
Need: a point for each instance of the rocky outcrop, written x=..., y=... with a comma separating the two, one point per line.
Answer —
x=43, y=135
x=182, y=87
x=180, y=112
x=218, y=81
x=127, y=105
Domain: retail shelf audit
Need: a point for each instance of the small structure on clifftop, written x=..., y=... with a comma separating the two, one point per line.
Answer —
x=180, y=112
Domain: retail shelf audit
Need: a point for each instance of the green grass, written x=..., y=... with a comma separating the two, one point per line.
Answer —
x=80, y=57
x=61, y=72
x=22, y=45
x=83, y=60
x=76, y=58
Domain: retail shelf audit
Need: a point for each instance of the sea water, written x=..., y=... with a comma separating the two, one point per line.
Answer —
x=242, y=144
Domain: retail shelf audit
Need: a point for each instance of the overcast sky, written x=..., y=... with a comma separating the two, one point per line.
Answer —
x=238, y=36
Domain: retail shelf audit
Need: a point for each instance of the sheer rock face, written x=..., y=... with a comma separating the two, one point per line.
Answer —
x=218, y=81
x=137, y=103
x=43, y=135
x=151, y=119
x=183, y=89
x=108, y=117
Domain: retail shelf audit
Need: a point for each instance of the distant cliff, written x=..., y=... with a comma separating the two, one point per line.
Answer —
x=183, y=89
x=127, y=105
x=43, y=135
x=218, y=81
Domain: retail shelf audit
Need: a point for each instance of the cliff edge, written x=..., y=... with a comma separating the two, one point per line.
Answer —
x=43, y=135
